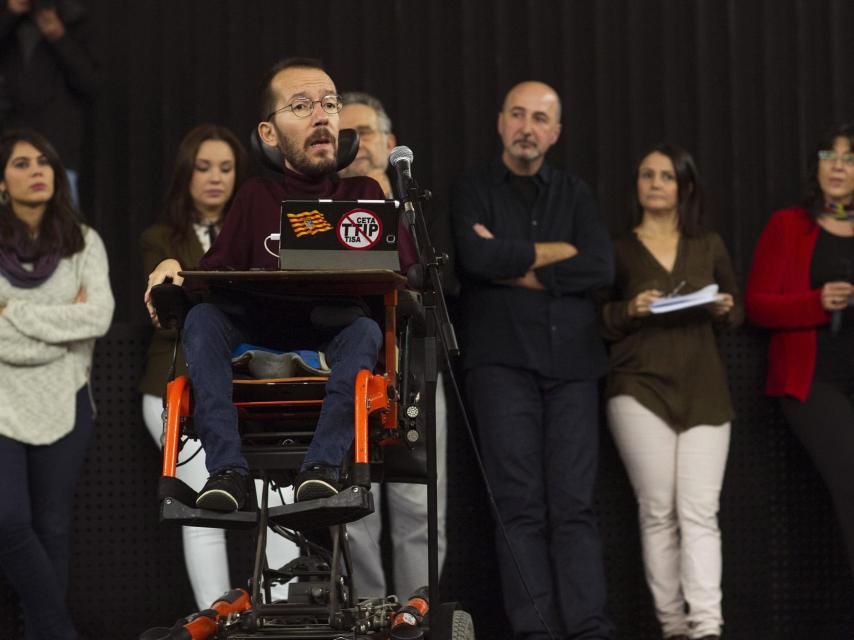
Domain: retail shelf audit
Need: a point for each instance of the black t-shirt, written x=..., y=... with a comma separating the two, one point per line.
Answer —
x=833, y=259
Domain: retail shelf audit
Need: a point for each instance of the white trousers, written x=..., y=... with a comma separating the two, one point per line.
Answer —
x=677, y=480
x=407, y=507
x=204, y=547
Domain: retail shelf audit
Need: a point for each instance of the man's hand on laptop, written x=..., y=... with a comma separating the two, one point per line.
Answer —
x=169, y=268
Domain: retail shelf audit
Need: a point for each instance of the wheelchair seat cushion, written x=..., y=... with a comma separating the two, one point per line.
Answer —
x=263, y=363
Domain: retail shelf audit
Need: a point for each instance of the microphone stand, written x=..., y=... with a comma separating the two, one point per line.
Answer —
x=437, y=324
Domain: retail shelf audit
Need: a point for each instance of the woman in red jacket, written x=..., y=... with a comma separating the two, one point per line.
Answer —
x=800, y=287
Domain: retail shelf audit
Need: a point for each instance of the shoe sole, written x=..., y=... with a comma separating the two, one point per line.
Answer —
x=314, y=490
x=217, y=500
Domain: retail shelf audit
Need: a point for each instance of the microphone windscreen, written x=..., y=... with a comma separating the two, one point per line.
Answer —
x=400, y=153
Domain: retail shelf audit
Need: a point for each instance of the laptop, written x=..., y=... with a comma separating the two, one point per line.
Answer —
x=339, y=234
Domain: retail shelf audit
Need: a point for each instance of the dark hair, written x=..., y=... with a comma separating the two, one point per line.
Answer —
x=60, y=227
x=813, y=200
x=268, y=96
x=179, y=212
x=690, y=189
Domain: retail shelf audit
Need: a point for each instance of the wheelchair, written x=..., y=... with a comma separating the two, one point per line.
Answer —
x=392, y=441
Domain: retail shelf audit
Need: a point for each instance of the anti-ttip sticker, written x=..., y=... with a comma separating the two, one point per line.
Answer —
x=308, y=223
x=359, y=229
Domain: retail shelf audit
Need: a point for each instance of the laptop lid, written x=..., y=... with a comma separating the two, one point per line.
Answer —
x=339, y=234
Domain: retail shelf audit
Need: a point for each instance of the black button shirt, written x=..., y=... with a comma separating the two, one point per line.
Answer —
x=553, y=332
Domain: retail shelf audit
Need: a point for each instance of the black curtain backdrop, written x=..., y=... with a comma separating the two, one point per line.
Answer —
x=745, y=85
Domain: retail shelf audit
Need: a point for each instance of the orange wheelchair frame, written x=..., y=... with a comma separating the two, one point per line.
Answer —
x=373, y=393
x=321, y=604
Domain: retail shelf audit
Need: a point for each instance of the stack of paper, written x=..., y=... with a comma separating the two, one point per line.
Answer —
x=700, y=297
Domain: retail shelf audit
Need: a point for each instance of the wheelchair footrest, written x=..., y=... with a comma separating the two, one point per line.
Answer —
x=173, y=510
x=170, y=487
x=353, y=503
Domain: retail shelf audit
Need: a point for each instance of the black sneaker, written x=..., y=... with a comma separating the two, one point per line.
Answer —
x=224, y=491
x=316, y=482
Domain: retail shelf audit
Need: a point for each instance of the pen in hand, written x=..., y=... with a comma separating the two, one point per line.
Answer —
x=676, y=290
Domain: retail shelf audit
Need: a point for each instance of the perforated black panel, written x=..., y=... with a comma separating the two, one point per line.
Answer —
x=126, y=569
x=785, y=575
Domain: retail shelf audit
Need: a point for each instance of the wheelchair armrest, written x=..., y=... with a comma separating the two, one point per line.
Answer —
x=171, y=303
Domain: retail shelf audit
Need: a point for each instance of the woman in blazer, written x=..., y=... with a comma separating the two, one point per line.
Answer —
x=209, y=166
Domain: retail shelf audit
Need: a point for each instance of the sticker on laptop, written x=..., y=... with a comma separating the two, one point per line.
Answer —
x=359, y=229
x=308, y=223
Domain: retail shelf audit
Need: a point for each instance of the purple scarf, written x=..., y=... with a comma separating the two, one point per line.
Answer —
x=14, y=272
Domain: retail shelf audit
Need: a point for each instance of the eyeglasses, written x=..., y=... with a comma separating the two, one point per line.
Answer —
x=303, y=107
x=828, y=155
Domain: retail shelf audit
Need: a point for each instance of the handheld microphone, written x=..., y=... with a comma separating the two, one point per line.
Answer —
x=401, y=158
x=836, y=316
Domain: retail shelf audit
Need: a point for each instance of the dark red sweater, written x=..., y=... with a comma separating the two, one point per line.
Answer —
x=256, y=213
x=779, y=297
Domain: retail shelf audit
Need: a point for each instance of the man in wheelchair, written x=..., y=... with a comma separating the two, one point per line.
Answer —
x=299, y=111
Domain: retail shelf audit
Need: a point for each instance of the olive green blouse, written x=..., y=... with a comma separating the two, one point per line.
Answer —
x=670, y=362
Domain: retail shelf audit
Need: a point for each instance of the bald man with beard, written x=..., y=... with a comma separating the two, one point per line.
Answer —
x=530, y=248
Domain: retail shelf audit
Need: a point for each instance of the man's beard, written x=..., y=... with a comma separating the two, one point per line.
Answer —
x=299, y=158
x=525, y=154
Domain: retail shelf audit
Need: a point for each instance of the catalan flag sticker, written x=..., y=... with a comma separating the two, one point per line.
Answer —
x=308, y=223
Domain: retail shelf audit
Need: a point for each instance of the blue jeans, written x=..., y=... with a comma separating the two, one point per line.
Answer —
x=539, y=439
x=36, y=500
x=210, y=335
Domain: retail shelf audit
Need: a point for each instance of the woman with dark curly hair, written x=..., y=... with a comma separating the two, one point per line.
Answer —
x=800, y=288
x=55, y=299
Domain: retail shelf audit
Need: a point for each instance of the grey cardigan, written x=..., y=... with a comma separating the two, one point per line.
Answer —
x=46, y=344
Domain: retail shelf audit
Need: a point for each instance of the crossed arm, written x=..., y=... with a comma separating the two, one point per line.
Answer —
x=567, y=266
x=545, y=254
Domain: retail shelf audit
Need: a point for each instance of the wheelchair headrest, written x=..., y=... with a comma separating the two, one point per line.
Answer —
x=271, y=157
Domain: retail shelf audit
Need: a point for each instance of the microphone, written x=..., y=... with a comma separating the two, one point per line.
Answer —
x=836, y=316
x=401, y=159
